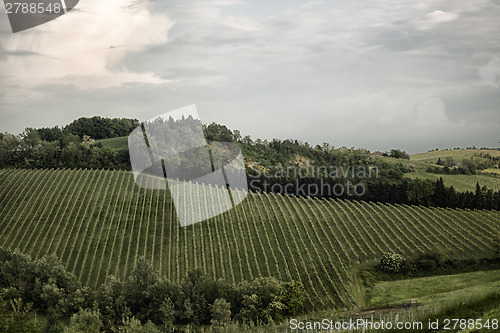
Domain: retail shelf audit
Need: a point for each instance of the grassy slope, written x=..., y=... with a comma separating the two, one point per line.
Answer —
x=490, y=178
x=434, y=287
x=492, y=170
x=457, y=154
x=459, y=182
x=464, y=296
x=116, y=143
x=469, y=297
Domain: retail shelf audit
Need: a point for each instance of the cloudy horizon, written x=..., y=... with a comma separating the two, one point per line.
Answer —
x=370, y=74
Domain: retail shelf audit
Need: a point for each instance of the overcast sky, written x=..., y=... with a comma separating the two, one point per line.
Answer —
x=374, y=74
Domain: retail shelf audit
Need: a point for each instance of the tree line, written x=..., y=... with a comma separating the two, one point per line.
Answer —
x=75, y=146
x=467, y=166
x=144, y=300
x=389, y=185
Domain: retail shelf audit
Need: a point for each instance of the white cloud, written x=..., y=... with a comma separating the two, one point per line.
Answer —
x=431, y=20
x=196, y=11
x=431, y=112
x=86, y=46
x=490, y=73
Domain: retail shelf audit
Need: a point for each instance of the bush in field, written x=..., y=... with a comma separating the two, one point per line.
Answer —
x=85, y=321
x=392, y=262
x=427, y=265
x=397, y=153
x=221, y=312
x=430, y=261
x=410, y=168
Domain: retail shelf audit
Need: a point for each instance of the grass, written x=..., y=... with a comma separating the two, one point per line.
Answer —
x=492, y=170
x=457, y=154
x=419, y=166
x=116, y=143
x=454, y=315
x=461, y=183
x=464, y=296
x=358, y=290
x=434, y=287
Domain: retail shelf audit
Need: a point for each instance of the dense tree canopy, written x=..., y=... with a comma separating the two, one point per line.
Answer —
x=101, y=128
x=143, y=297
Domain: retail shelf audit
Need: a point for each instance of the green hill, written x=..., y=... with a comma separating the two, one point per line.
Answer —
x=458, y=154
x=120, y=143
x=432, y=288
x=461, y=183
x=99, y=222
x=489, y=177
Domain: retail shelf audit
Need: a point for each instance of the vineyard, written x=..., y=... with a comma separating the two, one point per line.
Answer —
x=99, y=223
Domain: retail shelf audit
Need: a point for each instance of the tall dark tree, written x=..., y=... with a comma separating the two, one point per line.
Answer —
x=440, y=197
x=479, y=197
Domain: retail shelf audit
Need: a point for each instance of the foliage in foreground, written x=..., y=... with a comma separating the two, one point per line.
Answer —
x=44, y=287
x=482, y=308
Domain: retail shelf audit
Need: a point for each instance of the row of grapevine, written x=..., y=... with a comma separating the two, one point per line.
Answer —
x=100, y=222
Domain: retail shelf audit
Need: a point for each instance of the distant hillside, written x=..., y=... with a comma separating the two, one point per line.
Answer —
x=489, y=177
x=458, y=154
x=101, y=143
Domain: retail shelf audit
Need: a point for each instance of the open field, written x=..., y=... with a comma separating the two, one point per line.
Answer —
x=461, y=183
x=116, y=143
x=489, y=177
x=457, y=154
x=99, y=223
x=432, y=287
x=435, y=295
x=492, y=170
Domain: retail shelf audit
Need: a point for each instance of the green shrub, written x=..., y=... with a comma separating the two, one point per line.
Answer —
x=392, y=262
x=85, y=321
x=221, y=312
x=368, y=279
x=426, y=265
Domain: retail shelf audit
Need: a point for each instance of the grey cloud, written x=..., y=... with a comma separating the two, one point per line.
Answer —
x=347, y=73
